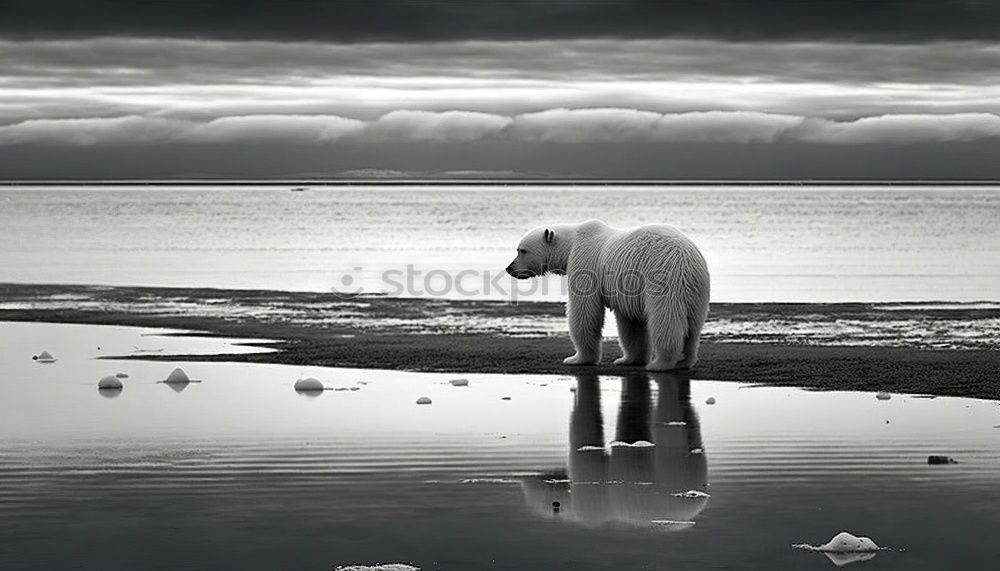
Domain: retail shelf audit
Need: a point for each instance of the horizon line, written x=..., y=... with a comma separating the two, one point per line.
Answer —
x=492, y=181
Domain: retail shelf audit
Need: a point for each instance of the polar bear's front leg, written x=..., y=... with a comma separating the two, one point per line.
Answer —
x=586, y=323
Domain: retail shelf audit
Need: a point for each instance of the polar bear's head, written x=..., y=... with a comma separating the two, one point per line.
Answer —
x=537, y=254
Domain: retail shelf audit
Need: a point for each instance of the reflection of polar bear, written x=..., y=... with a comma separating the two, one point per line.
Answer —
x=653, y=278
x=653, y=475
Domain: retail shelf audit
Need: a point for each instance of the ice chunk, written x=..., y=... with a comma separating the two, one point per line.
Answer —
x=691, y=494
x=309, y=384
x=45, y=357
x=636, y=444
x=177, y=376
x=459, y=382
x=843, y=542
x=424, y=400
x=109, y=382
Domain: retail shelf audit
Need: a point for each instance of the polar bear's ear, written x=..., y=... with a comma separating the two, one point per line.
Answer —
x=549, y=235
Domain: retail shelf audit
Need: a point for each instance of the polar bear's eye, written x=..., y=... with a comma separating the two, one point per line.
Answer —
x=522, y=251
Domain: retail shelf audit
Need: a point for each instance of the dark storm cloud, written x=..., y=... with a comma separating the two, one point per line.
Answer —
x=423, y=20
x=124, y=61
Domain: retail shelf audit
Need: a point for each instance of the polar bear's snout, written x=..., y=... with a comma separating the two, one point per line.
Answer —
x=519, y=273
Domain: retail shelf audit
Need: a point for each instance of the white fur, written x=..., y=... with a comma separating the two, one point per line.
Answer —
x=653, y=278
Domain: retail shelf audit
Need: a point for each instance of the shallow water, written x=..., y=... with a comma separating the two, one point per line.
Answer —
x=239, y=471
x=900, y=243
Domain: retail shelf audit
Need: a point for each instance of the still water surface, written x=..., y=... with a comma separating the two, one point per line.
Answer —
x=239, y=471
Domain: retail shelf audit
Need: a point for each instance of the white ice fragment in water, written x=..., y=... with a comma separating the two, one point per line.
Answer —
x=109, y=382
x=636, y=444
x=697, y=451
x=691, y=494
x=459, y=382
x=378, y=567
x=45, y=357
x=883, y=396
x=843, y=542
x=309, y=384
x=177, y=376
x=589, y=448
x=424, y=400
x=676, y=423
x=710, y=400
x=489, y=481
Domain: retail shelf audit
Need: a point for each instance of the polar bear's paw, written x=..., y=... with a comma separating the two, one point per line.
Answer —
x=629, y=361
x=579, y=360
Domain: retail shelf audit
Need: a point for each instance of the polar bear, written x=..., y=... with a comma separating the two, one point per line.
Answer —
x=653, y=278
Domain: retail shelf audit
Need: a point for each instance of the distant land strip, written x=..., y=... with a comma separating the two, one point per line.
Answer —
x=501, y=182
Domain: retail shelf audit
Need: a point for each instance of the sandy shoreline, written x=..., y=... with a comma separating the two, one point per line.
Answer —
x=827, y=346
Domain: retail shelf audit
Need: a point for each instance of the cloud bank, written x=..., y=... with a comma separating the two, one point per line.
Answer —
x=152, y=61
x=564, y=126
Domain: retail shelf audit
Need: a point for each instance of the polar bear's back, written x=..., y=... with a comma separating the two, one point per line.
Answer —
x=654, y=264
x=652, y=247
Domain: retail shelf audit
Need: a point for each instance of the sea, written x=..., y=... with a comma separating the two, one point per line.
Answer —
x=235, y=469
x=396, y=471
x=763, y=242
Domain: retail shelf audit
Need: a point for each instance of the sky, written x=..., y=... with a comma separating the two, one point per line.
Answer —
x=704, y=89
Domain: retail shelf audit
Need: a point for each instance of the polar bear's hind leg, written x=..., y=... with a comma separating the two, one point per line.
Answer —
x=691, y=343
x=667, y=328
x=633, y=340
